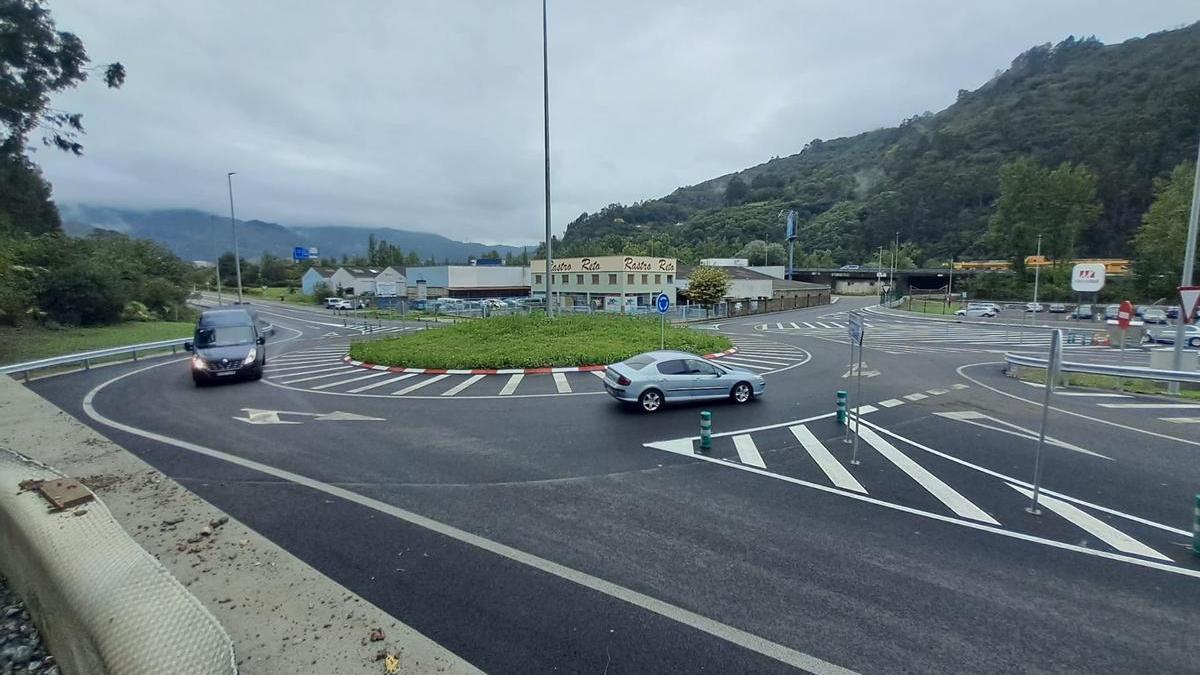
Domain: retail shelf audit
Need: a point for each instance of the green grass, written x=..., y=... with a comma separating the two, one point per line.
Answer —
x=937, y=306
x=534, y=342
x=1127, y=385
x=275, y=293
x=27, y=343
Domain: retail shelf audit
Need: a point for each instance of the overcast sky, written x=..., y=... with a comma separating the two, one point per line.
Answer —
x=427, y=115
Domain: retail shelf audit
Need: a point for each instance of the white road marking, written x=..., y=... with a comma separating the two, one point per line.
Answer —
x=511, y=385
x=780, y=326
x=975, y=418
x=680, y=615
x=560, y=383
x=1152, y=406
x=463, y=385
x=809, y=324
x=338, y=371
x=793, y=325
x=306, y=359
x=272, y=369
x=960, y=386
x=598, y=373
x=834, y=471
x=938, y=392
x=891, y=403
x=382, y=384
x=932, y=484
x=327, y=385
x=864, y=410
x=1098, y=528
x=915, y=397
x=822, y=325
x=754, y=358
x=745, y=364
x=1181, y=420
x=748, y=451
x=422, y=383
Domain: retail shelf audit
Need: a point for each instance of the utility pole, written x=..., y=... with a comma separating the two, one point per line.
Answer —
x=1037, y=272
x=950, y=288
x=217, y=256
x=892, y=274
x=237, y=258
x=546, y=129
x=879, y=273
x=1189, y=264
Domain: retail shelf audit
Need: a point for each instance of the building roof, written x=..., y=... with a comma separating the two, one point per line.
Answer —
x=777, y=284
x=363, y=272
x=324, y=271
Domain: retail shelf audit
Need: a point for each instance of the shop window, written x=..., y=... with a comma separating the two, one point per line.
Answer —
x=645, y=279
x=612, y=280
x=629, y=279
x=595, y=279
x=537, y=278
x=579, y=279
x=670, y=278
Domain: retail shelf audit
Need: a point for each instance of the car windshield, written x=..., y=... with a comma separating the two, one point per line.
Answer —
x=224, y=336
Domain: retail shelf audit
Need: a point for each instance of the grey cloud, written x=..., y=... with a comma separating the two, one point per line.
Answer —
x=427, y=115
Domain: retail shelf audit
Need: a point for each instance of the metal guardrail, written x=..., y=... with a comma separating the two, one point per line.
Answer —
x=1138, y=372
x=86, y=358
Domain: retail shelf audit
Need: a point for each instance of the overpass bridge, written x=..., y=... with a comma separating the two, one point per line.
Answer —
x=871, y=280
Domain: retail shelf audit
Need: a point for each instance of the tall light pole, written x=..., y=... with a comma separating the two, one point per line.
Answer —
x=892, y=274
x=217, y=256
x=546, y=128
x=1189, y=264
x=879, y=272
x=1037, y=272
x=237, y=257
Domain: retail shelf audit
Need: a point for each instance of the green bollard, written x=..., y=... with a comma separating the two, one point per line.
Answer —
x=841, y=407
x=1196, y=528
x=706, y=430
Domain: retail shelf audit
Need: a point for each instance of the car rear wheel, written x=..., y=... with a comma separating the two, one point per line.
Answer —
x=650, y=400
x=741, y=392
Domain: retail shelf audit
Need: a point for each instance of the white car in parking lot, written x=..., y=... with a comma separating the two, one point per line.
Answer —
x=977, y=310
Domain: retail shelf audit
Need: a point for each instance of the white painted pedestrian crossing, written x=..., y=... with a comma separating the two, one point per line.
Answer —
x=891, y=403
x=746, y=364
x=895, y=336
x=511, y=386
x=561, y=384
x=422, y=383
x=748, y=451
x=452, y=391
x=1096, y=527
x=837, y=474
x=330, y=385
x=916, y=397
x=932, y=484
x=384, y=383
x=327, y=372
x=272, y=369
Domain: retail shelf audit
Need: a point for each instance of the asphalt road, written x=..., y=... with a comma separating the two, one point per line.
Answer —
x=548, y=528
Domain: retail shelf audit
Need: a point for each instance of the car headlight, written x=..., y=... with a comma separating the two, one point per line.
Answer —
x=198, y=363
x=250, y=356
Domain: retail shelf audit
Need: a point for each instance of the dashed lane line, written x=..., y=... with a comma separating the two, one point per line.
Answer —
x=422, y=383
x=891, y=403
x=915, y=397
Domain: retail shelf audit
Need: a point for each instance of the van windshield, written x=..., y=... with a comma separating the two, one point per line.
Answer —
x=224, y=336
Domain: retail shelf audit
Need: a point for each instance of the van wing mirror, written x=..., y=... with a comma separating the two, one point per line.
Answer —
x=261, y=340
x=188, y=346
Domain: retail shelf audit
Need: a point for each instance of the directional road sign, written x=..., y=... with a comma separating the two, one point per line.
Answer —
x=1189, y=302
x=856, y=329
x=664, y=303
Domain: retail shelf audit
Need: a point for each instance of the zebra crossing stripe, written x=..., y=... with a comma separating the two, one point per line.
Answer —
x=452, y=391
x=341, y=370
x=744, y=364
x=327, y=385
x=834, y=471
x=422, y=383
x=932, y=484
x=382, y=384
x=1094, y=526
x=511, y=385
x=560, y=383
x=915, y=397
x=748, y=451
x=272, y=369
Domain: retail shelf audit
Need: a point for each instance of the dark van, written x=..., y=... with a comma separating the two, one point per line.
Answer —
x=227, y=345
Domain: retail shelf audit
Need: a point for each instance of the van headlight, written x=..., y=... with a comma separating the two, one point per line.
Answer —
x=198, y=363
x=250, y=356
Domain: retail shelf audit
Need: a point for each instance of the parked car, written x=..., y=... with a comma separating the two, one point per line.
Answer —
x=977, y=310
x=654, y=378
x=226, y=345
x=1172, y=312
x=1083, y=312
x=1058, y=308
x=1110, y=312
x=1191, y=336
x=335, y=303
x=1154, y=315
x=1034, y=307
x=851, y=267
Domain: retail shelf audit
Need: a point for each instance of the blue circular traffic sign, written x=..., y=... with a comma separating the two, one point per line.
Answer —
x=664, y=303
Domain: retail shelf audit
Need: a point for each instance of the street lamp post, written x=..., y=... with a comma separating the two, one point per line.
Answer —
x=546, y=134
x=237, y=257
x=892, y=274
x=1189, y=263
x=1037, y=271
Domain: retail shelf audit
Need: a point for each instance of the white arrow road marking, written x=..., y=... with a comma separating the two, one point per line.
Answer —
x=976, y=418
x=932, y=484
x=837, y=474
x=865, y=373
x=1098, y=528
x=256, y=416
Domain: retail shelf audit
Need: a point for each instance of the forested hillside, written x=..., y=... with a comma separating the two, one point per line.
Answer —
x=1119, y=115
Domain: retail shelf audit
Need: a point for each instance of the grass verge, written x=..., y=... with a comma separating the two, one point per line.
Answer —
x=26, y=343
x=534, y=342
x=1110, y=383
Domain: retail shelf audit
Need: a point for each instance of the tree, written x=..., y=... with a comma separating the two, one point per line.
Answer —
x=1160, y=241
x=38, y=60
x=1034, y=201
x=736, y=191
x=754, y=251
x=707, y=285
x=321, y=290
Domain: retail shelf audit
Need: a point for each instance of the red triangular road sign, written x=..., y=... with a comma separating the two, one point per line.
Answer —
x=1189, y=302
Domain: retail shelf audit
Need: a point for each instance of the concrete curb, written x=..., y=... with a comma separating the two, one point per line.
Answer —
x=499, y=371
x=103, y=604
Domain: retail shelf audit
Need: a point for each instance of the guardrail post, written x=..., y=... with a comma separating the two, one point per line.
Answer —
x=135, y=355
x=705, y=430
x=87, y=363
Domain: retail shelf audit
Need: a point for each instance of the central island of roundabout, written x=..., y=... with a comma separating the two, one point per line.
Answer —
x=532, y=344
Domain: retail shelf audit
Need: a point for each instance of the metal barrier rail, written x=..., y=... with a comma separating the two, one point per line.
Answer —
x=87, y=357
x=1138, y=372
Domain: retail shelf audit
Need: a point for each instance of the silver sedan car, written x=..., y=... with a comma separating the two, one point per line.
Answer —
x=654, y=378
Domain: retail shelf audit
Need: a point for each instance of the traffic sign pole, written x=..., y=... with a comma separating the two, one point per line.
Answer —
x=1189, y=262
x=663, y=304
